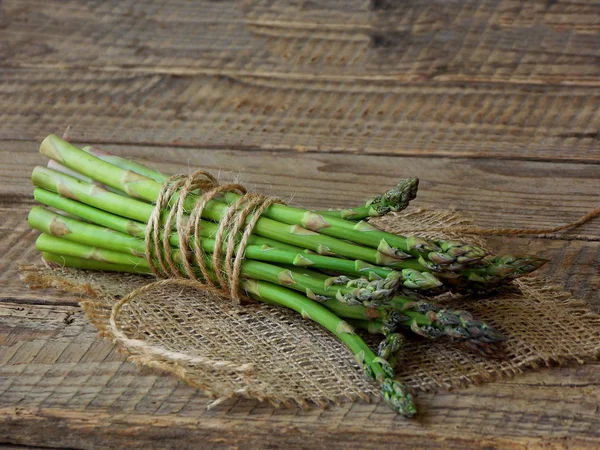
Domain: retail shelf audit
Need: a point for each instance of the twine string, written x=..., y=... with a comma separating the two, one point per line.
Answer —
x=481, y=231
x=528, y=231
x=156, y=351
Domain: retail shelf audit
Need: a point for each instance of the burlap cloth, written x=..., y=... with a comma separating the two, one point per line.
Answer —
x=269, y=353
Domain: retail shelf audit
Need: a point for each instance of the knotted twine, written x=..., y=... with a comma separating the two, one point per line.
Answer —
x=228, y=254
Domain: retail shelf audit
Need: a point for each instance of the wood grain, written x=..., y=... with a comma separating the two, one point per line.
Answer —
x=249, y=112
x=484, y=79
x=492, y=103
x=536, y=42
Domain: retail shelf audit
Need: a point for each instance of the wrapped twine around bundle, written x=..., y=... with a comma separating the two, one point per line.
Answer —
x=211, y=336
x=240, y=217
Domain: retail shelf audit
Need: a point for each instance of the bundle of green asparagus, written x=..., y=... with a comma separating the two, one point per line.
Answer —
x=333, y=266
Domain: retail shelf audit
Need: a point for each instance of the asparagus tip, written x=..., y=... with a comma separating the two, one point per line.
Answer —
x=391, y=345
x=415, y=279
x=395, y=199
x=397, y=396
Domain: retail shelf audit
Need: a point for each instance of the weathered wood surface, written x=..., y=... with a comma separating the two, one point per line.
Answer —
x=476, y=78
x=536, y=42
x=247, y=112
x=492, y=103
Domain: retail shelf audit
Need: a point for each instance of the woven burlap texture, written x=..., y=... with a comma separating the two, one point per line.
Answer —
x=273, y=354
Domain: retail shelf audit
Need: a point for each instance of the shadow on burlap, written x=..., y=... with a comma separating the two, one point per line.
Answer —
x=268, y=353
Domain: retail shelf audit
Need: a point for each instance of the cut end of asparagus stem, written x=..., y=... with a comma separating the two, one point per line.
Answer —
x=397, y=396
x=395, y=199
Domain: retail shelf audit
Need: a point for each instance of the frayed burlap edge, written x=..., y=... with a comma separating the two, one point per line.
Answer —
x=289, y=360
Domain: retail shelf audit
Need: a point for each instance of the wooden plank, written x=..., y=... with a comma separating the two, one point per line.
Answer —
x=488, y=40
x=61, y=386
x=250, y=111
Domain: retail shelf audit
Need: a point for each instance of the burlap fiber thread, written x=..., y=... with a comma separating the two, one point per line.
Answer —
x=261, y=351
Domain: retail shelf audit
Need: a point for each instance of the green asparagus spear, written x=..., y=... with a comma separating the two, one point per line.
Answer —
x=393, y=200
x=453, y=257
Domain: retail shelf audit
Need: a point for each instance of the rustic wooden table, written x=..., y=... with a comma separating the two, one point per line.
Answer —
x=493, y=104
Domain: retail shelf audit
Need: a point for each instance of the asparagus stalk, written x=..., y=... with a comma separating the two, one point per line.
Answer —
x=91, y=264
x=459, y=326
x=395, y=199
x=495, y=271
x=373, y=326
x=53, y=165
x=394, y=393
x=126, y=164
